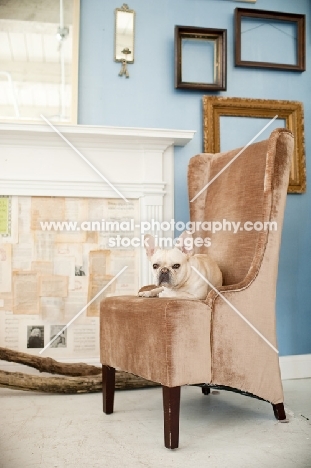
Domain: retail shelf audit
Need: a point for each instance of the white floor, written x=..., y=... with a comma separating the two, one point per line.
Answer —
x=216, y=431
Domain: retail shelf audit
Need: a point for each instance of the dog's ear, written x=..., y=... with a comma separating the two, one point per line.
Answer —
x=185, y=243
x=149, y=244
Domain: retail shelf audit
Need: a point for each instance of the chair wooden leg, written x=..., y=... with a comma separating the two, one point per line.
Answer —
x=206, y=390
x=171, y=406
x=108, y=379
x=279, y=411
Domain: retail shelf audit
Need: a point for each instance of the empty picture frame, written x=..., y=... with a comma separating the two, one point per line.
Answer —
x=270, y=39
x=200, y=58
x=290, y=112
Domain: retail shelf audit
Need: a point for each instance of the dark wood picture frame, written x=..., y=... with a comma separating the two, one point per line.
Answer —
x=220, y=63
x=215, y=107
x=299, y=19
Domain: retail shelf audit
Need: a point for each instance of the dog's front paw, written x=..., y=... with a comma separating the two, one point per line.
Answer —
x=148, y=293
x=151, y=293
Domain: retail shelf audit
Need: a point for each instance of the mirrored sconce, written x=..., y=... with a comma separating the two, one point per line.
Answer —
x=124, y=37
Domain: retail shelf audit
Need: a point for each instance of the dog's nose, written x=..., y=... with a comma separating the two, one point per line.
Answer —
x=164, y=276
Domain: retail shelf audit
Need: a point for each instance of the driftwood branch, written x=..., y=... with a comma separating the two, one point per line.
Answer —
x=47, y=364
x=80, y=378
x=20, y=381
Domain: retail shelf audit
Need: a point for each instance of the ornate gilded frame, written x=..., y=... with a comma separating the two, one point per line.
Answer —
x=291, y=111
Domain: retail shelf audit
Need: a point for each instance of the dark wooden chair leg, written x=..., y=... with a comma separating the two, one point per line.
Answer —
x=206, y=390
x=108, y=376
x=279, y=411
x=171, y=406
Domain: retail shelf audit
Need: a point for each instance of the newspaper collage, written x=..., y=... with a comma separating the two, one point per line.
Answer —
x=48, y=276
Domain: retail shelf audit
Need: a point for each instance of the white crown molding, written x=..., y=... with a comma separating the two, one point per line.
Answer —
x=80, y=188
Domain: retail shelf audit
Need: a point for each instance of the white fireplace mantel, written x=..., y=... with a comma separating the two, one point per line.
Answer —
x=139, y=162
x=36, y=161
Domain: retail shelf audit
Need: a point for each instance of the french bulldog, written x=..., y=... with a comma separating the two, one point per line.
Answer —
x=173, y=274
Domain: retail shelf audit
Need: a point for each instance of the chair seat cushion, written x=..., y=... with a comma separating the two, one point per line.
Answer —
x=166, y=340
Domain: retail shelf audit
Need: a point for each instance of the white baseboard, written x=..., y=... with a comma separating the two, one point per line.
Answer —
x=295, y=366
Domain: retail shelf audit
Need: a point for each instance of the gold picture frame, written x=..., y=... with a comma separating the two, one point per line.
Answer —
x=290, y=111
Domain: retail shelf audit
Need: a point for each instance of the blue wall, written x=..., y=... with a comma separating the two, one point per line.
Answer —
x=148, y=99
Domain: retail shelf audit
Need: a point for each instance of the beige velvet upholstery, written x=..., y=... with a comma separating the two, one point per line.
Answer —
x=177, y=342
x=163, y=340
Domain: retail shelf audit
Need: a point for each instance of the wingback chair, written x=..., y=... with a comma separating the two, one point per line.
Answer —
x=227, y=340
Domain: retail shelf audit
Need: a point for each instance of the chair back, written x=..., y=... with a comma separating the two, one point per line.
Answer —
x=241, y=201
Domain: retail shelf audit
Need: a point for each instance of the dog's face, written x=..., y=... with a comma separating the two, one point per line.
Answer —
x=174, y=270
x=170, y=267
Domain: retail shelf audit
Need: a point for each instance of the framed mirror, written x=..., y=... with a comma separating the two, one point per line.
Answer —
x=39, y=60
x=124, y=34
x=200, y=58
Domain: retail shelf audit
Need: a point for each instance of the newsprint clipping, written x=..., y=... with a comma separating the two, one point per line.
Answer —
x=56, y=254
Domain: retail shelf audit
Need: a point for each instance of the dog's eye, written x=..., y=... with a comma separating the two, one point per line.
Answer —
x=176, y=266
x=155, y=266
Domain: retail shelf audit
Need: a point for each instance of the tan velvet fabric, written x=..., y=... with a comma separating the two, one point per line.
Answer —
x=236, y=195
x=163, y=340
x=177, y=342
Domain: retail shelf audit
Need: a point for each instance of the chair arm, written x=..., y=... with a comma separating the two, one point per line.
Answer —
x=212, y=295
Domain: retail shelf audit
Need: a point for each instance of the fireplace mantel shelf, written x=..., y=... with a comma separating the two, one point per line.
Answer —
x=23, y=133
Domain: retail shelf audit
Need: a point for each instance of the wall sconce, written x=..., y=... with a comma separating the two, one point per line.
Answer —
x=124, y=37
